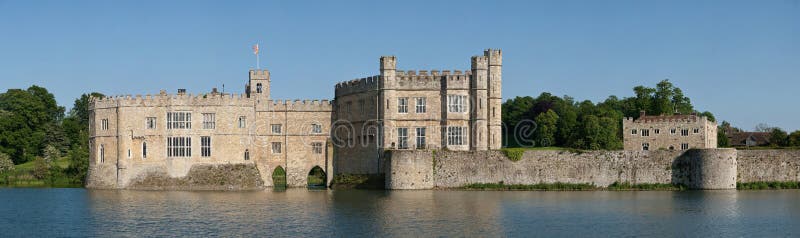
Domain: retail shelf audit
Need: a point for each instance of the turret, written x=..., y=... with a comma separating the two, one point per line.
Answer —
x=479, y=103
x=388, y=66
x=258, y=85
x=495, y=82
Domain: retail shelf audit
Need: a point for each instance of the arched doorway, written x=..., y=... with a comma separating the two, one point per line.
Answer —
x=317, y=178
x=279, y=178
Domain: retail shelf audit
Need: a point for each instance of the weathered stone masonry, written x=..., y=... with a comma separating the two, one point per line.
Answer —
x=696, y=168
x=129, y=138
x=164, y=140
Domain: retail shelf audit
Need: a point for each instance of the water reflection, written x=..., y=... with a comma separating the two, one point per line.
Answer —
x=300, y=212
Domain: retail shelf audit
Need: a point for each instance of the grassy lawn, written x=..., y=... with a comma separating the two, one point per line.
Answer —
x=23, y=176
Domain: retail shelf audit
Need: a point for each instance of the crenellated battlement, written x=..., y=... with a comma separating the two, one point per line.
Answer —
x=357, y=85
x=164, y=99
x=259, y=74
x=667, y=119
x=494, y=56
x=434, y=72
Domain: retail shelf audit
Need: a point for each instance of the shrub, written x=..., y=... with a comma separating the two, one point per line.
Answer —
x=513, y=154
x=6, y=164
x=41, y=169
x=645, y=186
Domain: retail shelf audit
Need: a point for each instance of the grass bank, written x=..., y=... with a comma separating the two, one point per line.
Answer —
x=541, y=186
x=767, y=185
x=26, y=175
x=616, y=186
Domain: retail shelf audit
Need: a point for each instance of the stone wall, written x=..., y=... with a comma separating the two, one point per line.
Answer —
x=768, y=165
x=706, y=169
x=601, y=168
x=198, y=177
x=409, y=170
x=203, y=177
x=695, y=168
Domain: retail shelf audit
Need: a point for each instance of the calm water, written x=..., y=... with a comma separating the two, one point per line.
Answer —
x=299, y=212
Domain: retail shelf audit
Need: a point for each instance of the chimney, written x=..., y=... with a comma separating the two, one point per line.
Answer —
x=641, y=113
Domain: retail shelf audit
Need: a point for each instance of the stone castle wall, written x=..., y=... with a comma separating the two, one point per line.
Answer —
x=768, y=165
x=695, y=168
x=123, y=141
x=601, y=168
x=374, y=102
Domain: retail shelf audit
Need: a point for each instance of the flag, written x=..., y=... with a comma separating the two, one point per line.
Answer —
x=255, y=49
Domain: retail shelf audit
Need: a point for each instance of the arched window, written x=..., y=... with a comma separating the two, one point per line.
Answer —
x=144, y=150
x=258, y=88
x=102, y=154
x=246, y=154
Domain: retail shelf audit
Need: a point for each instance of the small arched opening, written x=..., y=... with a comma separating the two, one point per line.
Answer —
x=102, y=154
x=317, y=178
x=279, y=178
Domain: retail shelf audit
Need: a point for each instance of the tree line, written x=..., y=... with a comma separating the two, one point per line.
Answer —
x=33, y=128
x=549, y=120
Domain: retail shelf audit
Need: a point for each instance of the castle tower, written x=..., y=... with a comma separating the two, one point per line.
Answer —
x=385, y=83
x=258, y=84
x=388, y=66
x=479, y=101
x=495, y=74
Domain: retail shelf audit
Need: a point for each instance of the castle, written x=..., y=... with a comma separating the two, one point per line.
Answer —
x=669, y=132
x=135, y=138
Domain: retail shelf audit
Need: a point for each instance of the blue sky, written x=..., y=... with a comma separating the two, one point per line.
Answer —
x=738, y=59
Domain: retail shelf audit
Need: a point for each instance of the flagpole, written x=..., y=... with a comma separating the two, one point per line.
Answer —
x=255, y=51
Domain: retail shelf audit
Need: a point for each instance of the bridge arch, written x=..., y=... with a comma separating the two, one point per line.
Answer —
x=317, y=177
x=279, y=177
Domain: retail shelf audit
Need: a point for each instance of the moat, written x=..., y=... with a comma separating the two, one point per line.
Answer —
x=301, y=212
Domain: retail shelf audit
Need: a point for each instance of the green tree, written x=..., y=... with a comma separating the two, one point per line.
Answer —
x=722, y=137
x=778, y=137
x=5, y=163
x=76, y=129
x=587, y=125
x=546, y=128
x=514, y=112
x=78, y=164
x=709, y=115
x=41, y=169
x=29, y=116
x=794, y=138
x=51, y=154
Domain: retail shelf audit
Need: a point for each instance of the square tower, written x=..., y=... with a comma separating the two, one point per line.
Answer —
x=258, y=84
